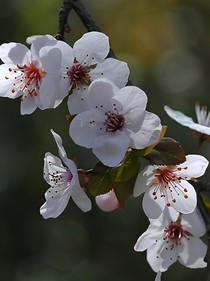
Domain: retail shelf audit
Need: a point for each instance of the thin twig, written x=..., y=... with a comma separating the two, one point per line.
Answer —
x=84, y=16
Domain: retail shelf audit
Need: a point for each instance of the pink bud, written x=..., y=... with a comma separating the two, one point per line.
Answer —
x=107, y=202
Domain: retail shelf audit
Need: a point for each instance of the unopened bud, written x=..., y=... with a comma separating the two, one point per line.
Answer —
x=107, y=202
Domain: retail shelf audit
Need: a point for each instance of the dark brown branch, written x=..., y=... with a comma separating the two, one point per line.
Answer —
x=84, y=16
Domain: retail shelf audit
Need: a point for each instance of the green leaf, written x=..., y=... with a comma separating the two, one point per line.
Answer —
x=92, y=66
x=123, y=190
x=100, y=181
x=167, y=152
x=127, y=169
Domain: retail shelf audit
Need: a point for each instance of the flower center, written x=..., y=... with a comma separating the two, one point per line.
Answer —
x=79, y=75
x=174, y=231
x=29, y=80
x=59, y=178
x=165, y=176
x=168, y=184
x=114, y=122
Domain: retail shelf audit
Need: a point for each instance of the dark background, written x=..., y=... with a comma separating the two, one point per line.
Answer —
x=166, y=44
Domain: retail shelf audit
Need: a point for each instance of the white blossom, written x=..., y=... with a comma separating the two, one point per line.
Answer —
x=116, y=120
x=72, y=69
x=168, y=186
x=173, y=237
x=61, y=175
x=22, y=75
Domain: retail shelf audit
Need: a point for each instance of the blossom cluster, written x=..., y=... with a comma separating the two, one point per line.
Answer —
x=110, y=118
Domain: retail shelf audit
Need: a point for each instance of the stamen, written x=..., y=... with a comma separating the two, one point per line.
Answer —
x=166, y=180
x=28, y=79
x=114, y=122
x=79, y=75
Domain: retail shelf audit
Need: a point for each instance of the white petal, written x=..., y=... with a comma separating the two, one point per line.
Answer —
x=111, y=148
x=148, y=238
x=194, y=167
x=153, y=208
x=131, y=97
x=81, y=199
x=192, y=252
x=179, y=116
x=134, y=102
x=186, y=121
x=185, y=201
x=7, y=81
x=194, y=223
x=92, y=47
x=38, y=42
x=144, y=180
x=53, y=91
x=15, y=53
x=149, y=132
x=168, y=255
x=50, y=58
x=77, y=101
x=56, y=54
x=42, y=39
x=112, y=69
x=58, y=140
x=160, y=257
x=86, y=127
x=28, y=105
x=56, y=201
x=100, y=93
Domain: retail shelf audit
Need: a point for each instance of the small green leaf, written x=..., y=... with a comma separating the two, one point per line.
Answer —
x=127, y=169
x=167, y=152
x=100, y=181
x=92, y=66
x=123, y=190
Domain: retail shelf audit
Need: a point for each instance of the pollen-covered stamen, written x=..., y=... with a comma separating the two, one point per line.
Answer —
x=114, y=122
x=79, y=75
x=61, y=178
x=175, y=231
x=165, y=176
x=28, y=79
x=203, y=115
x=166, y=181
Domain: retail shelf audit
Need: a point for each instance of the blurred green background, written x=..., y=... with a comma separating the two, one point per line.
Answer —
x=166, y=44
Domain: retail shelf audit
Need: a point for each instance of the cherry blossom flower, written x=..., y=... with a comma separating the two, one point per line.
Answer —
x=22, y=74
x=173, y=237
x=107, y=202
x=117, y=120
x=168, y=186
x=61, y=175
x=202, y=114
x=73, y=69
